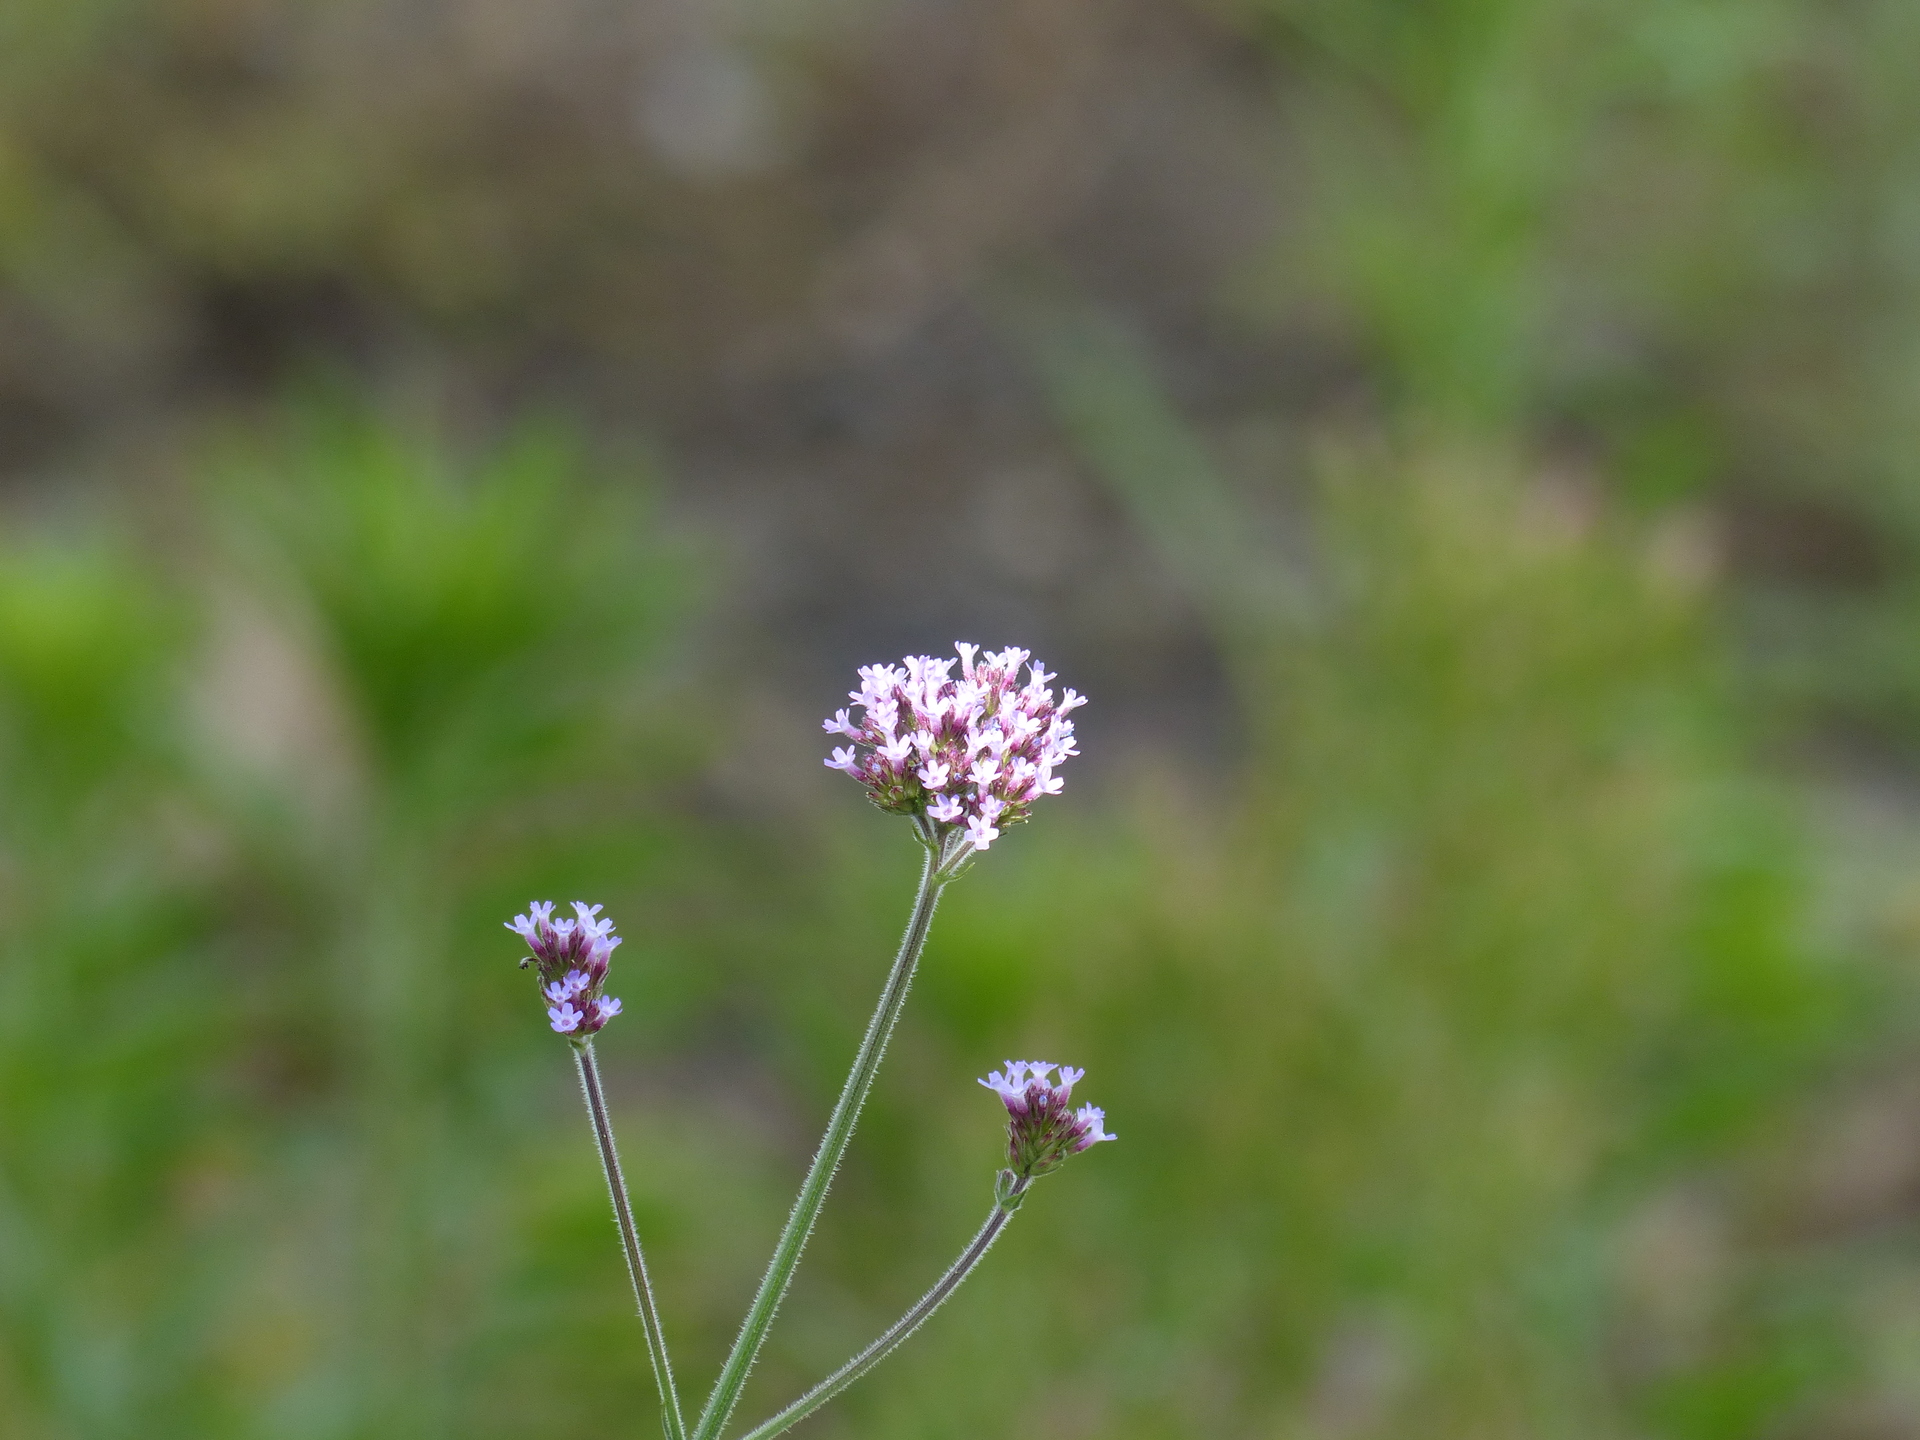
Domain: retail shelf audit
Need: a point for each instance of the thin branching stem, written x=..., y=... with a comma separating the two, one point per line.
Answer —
x=813, y=1190
x=671, y=1420
x=898, y=1331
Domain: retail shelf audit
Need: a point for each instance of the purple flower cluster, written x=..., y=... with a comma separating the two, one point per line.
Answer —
x=571, y=956
x=1041, y=1131
x=969, y=754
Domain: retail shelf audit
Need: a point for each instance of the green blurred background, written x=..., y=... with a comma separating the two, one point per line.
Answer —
x=454, y=451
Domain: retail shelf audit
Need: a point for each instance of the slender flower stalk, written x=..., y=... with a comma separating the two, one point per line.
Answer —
x=900, y=1329
x=571, y=958
x=813, y=1190
x=671, y=1420
x=1042, y=1133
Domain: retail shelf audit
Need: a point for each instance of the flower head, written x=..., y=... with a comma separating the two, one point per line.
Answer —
x=571, y=957
x=966, y=754
x=1042, y=1129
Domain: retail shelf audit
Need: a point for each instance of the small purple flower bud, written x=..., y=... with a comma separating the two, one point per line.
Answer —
x=1041, y=1130
x=571, y=959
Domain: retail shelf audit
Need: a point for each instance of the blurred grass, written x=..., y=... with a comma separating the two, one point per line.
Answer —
x=1460, y=1041
x=1488, y=1055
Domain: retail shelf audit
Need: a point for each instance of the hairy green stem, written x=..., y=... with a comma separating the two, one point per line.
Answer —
x=899, y=1330
x=813, y=1190
x=670, y=1418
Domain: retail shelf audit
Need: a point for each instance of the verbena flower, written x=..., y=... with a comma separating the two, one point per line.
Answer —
x=571, y=957
x=968, y=754
x=1041, y=1130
